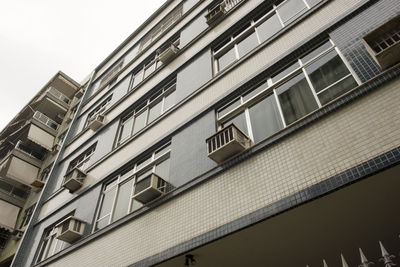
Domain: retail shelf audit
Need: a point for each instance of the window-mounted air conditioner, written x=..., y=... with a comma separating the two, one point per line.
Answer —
x=149, y=188
x=226, y=143
x=97, y=121
x=70, y=229
x=383, y=43
x=74, y=180
x=168, y=53
x=215, y=13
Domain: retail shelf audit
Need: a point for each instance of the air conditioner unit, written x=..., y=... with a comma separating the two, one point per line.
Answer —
x=74, y=180
x=70, y=229
x=149, y=188
x=79, y=93
x=215, y=13
x=226, y=143
x=168, y=53
x=97, y=121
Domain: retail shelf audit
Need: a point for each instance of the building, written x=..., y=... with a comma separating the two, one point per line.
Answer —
x=28, y=147
x=233, y=133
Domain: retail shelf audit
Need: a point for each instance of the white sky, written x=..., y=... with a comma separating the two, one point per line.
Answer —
x=40, y=37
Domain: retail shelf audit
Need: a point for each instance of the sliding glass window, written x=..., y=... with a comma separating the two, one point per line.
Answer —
x=260, y=29
x=303, y=86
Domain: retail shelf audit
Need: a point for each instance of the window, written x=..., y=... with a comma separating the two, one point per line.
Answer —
x=258, y=30
x=147, y=111
x=304, y=86
x=111, y=77
x=152, y=35
x=116, y=199
x=45, y=174
x=50, y=244
x=383, y=43
x=100, y=109
x=19, y=192
x=27, y=216
x=81, y=162
x=145, y=70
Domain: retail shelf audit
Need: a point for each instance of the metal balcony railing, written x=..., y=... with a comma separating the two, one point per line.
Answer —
x=59, y=95
x=46, y=120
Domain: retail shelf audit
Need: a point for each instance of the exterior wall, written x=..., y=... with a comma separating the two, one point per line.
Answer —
x=357, y=132
x=188, y=150
x=350, y=136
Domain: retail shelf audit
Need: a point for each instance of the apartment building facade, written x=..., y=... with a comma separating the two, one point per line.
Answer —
x=29, y=145
x=232, y=133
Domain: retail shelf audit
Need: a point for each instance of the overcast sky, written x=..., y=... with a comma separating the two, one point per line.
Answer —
x=40, y=37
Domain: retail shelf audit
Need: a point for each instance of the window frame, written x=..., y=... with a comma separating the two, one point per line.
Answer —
x=99, y=109
x=131, y=174
x=82, y=159
x=270, y=87
x=235, y=38
x=158, y=96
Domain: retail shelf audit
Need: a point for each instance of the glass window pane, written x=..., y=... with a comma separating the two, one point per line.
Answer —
x=326, y=70
x=140, y=122
x=264, y=118
x=337, y=90
x=122, y=202
x=255, y=91
x=162, y=151
x=162, y=169
x=296, y=98
x=229, y=108
x=290, y=9
x=107, y=202
x=144, y=174
x=126, y=129
x=170, y=100
x=149, y=69
x=102, y=223
x=239, y=121
x=285, y=72
x=247, y=44
x=155, y=111
x=226, y=59
x=143, y=163
x=316, y=52
x=269, y=27
x=138, y=78
x=135, y=205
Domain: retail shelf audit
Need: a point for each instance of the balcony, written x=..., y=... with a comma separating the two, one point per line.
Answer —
x=52, y=103
x=227, y=143
x=46, y=121
x=22, y=163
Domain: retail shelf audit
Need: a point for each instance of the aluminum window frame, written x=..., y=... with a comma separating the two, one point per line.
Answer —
x=270, y=88
x=254, y=23
x=126, y=176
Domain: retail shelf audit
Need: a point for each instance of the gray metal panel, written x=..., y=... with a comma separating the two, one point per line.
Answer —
x=188, y=151
x=192, y=30
x=192, y=76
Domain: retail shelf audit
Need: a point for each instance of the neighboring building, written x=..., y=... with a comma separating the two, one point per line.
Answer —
x=28, y=146
x=232, y=133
